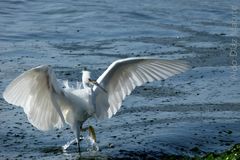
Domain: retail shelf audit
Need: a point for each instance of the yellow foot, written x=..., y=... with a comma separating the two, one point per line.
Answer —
x=92, y=133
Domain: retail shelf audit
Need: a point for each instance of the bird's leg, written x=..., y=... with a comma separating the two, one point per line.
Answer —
x=92, y=138
x=83, y=129
x=79, y=150
x=76, y=128
x=78, y=143
x=91, y=132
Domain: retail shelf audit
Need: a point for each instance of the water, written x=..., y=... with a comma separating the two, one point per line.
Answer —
x=92, y=145
x=102, y=27
x=170, y=117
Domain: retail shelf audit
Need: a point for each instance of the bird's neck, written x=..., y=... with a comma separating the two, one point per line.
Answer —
x=85, y=79
x=86, y=85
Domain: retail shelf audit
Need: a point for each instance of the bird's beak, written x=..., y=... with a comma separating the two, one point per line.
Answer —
x=98, y=85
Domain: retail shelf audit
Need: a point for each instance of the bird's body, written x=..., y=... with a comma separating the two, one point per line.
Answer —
x=80, y=106
x=48, y=105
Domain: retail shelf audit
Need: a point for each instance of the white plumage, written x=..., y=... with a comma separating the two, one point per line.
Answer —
x=47, y=105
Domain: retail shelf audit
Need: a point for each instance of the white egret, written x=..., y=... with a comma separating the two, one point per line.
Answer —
x=48, y=106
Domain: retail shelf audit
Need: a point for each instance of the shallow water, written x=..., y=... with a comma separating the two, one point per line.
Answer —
x=199, y=108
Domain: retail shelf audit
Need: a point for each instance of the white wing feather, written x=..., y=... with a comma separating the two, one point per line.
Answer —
x=122, y=76
x=37, y=91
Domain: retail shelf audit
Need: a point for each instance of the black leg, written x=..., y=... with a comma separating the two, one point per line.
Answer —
x=79, y=150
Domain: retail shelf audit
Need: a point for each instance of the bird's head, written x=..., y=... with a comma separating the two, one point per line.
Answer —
x=87, y=81
x=86, y=76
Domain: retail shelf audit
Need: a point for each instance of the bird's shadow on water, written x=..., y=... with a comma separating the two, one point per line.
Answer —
x=52, y=150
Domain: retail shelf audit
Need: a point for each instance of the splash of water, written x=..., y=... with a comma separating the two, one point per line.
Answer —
x=92, y=145
x=65, y=147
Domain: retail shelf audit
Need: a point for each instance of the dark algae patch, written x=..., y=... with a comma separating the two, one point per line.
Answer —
x=231, y=154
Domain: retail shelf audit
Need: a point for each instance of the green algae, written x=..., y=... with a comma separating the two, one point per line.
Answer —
x=232, y=154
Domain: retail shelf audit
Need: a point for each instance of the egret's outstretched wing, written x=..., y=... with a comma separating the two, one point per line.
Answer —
x=122, y=76
x=37, y=91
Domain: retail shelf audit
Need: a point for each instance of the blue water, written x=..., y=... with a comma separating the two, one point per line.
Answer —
x=87, y=26
x=72, y=34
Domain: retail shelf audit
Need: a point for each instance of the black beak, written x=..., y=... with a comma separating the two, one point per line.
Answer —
x=98, y=85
